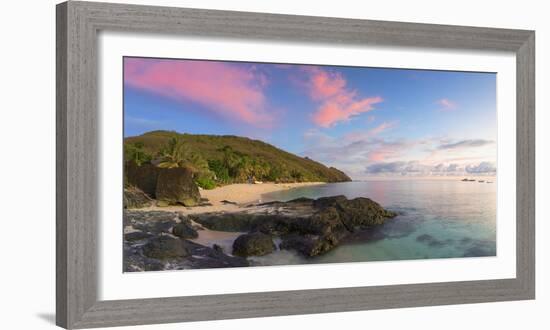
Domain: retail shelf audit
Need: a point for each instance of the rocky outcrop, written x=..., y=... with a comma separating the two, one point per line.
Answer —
x=165, y=247
x=176, y=186
x=159, y=240
x=143, y=177
x=311, y=227
x=307, y=245
x=253, y=244
x=150, y=244
x=184, y=229
x=356, y=212
x=135, y=198
x=169, y=186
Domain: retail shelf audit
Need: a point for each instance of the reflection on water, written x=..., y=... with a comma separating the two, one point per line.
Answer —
x=437, y=219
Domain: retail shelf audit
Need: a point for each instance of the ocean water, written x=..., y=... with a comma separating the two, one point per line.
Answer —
x=437, y=219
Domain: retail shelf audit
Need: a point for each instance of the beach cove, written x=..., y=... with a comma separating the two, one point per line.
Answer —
x=458, y=221
x=228, y=234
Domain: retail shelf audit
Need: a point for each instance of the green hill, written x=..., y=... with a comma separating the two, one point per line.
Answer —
x=226, y=159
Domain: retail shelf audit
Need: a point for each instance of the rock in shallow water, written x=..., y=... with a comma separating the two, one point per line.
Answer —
x=311, y=227
x=307, y=245
x=253, y=244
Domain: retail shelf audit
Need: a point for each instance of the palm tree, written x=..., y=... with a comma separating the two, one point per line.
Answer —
x=175, y=154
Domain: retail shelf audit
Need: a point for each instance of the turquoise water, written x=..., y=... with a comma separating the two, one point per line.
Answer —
x=437, y=219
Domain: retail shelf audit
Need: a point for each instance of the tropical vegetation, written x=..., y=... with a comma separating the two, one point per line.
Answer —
x=218, y=160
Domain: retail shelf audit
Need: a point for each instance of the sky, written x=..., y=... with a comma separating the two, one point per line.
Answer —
x=368, y=122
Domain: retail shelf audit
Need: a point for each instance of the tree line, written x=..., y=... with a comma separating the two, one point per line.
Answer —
x=230, y=166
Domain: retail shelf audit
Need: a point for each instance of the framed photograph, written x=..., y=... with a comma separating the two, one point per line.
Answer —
x=216, y=164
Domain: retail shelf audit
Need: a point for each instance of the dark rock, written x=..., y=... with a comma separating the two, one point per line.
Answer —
x=301, y=200
x=331, y=201
x=154, y=222
x=198, y=256
x=308, y=226
x=137, y=263
x=177, y=186
x=206, y=257
x=317, y=234
x=185, y=229
x=136, y=236
x=165, y=247
x=324, y=222
x=151, y=247
x=153, y=265
x=232, y=222
x=135, y=198
x=356, y=212
x=143, y=177
x=156, y=227
x=253, y=244
x=228, y=202
x=308, y=245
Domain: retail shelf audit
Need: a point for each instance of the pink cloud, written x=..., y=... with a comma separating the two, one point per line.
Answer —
x=362, y=135
x=379, y=156
x=381, y=128
x=232, y=91
x=326, y=84
x=337, y=102
x=446, y=104
x=385, y=152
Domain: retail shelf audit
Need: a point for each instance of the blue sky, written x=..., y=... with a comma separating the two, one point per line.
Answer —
x=365, y=121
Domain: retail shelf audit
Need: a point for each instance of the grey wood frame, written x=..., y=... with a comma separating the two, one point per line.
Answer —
x=78, y=24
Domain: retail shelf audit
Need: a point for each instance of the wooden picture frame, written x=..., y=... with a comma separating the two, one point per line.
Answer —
x=78, y=24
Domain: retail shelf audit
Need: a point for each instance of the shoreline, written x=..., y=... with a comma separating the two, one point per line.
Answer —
x=228, y=239
x=246, y=193
x=240, y=194
x=427, y=178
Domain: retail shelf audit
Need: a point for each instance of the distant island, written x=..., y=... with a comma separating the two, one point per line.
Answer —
x=195, y=201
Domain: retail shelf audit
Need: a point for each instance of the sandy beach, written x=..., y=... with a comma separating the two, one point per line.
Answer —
x=242, y=194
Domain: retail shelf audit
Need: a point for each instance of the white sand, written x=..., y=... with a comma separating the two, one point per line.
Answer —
x=244, y=193
x=241, y=193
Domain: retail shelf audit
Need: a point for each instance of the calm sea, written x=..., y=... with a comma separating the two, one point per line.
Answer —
x=437, y=219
